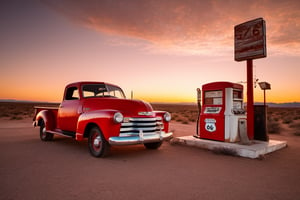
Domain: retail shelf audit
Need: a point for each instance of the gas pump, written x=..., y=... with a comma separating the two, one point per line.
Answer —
x=222, y=117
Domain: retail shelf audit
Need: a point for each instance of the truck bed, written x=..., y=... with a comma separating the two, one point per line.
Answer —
x=37, y=109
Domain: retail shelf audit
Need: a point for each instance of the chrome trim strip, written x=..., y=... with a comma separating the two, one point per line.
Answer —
x=139, y=124
x=141, y=138
x=145, y=119
x=128, y=134
x=138, y=129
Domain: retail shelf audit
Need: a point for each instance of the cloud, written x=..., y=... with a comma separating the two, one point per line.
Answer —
x=190, y=26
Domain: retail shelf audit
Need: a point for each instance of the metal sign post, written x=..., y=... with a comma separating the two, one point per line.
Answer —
x=250, y=100
x=249, y=44
x=265, y=86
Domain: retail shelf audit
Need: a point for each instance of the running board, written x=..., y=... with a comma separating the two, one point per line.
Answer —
x=65, y=134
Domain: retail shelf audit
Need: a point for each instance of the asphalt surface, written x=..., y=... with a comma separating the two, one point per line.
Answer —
x=64, y=169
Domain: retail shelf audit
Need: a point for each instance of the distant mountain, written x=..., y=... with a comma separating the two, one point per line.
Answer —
x=282, y=105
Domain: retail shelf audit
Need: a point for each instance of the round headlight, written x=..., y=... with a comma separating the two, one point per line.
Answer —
x=118, y=117
x=167, y=117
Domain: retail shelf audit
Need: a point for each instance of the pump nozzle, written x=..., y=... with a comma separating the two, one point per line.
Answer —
x=197, y=135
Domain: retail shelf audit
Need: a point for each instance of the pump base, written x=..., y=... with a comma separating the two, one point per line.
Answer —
x=256, y=149
x=196, y=136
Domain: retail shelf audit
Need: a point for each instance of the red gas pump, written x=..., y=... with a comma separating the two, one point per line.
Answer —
x=222, y=112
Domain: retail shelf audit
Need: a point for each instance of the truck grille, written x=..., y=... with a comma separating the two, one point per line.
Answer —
x=135, y=125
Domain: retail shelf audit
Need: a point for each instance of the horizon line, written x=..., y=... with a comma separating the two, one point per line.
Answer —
x=36, y=101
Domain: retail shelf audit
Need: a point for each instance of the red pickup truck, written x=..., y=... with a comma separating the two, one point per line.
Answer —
x=100, y=112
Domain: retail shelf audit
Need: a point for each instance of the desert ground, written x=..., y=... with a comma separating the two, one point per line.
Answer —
x=64, y=169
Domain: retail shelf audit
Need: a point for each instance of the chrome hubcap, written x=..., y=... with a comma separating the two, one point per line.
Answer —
x=97, y=142
x=44, y=131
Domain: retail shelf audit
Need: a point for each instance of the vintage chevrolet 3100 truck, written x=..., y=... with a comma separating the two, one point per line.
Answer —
x=100, y=112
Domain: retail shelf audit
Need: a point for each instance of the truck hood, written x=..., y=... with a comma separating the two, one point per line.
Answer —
x=125, y=106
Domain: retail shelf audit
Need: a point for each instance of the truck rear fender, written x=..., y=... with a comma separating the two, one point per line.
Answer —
x=48, y=117
x=103, y=119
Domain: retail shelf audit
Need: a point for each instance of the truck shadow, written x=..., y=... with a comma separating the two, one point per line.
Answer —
x=71, y=146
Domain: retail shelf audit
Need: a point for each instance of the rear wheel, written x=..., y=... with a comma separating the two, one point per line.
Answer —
x=98, y=146
x=43, y=134
x=153, y=145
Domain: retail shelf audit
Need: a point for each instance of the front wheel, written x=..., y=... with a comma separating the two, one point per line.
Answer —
x=153, y=145
x=43, y=134
x=98, y=146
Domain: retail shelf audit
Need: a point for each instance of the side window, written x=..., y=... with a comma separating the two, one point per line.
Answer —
x=72, y=93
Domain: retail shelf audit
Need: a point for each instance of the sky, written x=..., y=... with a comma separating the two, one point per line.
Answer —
x=161, y=50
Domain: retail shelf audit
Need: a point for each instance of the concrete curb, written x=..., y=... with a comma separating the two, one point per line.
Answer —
x=256, y=149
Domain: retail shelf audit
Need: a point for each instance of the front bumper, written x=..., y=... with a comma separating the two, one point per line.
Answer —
x=141, y=138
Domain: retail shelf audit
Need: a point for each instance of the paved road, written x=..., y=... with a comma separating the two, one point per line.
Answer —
x=63, y=169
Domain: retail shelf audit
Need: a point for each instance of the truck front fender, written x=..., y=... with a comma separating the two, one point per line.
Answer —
x=103, y=119
x=162, y=115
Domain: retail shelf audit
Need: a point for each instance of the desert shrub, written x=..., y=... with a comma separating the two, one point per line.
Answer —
x=16, y=118
x=4, y=115
x=296, y=117
x=182, y=119
x=270, y=112
x=287, y=120
x=192, y=119
x=296, y=128
x=183, y=113
x=178, y=120
x=185, y=122
x=17, y=112
x=276, y=119
x=297, y=133
x=295, y=125
x=174, y=116
x=273, y=126
x=186, y=115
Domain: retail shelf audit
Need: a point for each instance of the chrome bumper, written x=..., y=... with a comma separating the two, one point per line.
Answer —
x=140, y=139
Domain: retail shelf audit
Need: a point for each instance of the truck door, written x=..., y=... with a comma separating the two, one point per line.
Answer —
x=68, y=110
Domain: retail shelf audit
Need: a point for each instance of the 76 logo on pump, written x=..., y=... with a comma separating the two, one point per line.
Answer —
x=210, y=125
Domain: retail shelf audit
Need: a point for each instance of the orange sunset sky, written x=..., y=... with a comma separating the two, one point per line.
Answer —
x=161, y=49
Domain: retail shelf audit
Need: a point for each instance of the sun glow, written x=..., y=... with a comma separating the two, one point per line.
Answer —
x=162, y=51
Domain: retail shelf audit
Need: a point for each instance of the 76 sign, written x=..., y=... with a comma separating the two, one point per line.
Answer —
x=250, y=40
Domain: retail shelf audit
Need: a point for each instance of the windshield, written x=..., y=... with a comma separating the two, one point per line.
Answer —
x=102, y=90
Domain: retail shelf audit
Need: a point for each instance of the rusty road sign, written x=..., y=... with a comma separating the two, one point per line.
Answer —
x=250, y=40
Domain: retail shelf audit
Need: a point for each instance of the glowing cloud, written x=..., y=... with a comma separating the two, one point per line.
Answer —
x=190, y=26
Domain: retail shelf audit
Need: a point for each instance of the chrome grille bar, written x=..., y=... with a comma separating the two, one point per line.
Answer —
x=146, y=125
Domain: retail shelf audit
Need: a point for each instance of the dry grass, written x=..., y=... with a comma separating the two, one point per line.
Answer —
x=273, y=126
x=180, y=112
x=296, y=128
x=279, y=116
x=19, y=111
